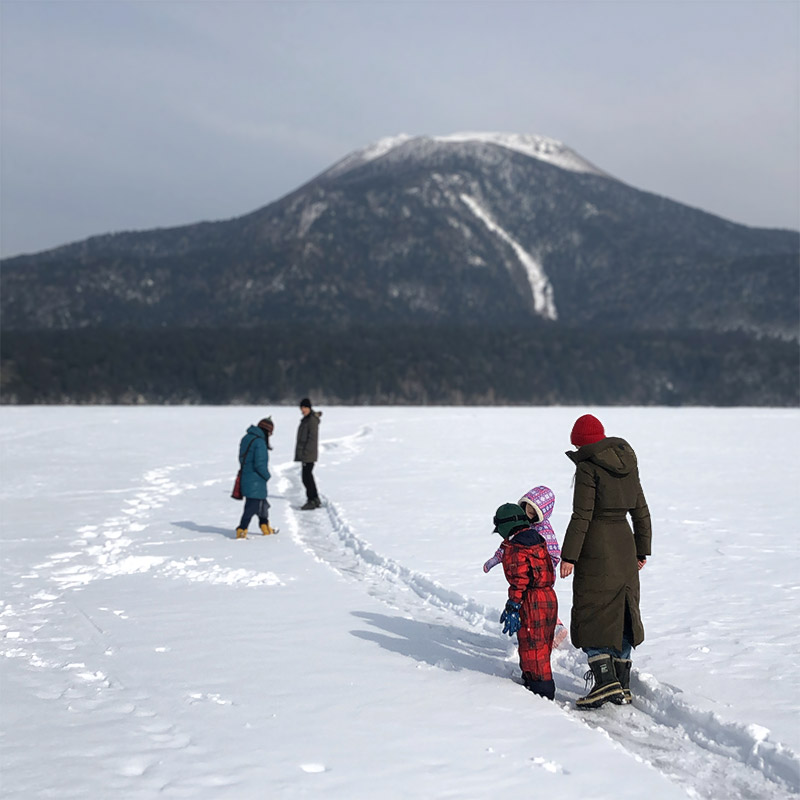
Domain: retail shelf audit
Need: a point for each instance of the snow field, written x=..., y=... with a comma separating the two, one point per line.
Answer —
x=149, y=653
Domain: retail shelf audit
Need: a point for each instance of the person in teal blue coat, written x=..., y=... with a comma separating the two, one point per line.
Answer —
x=254, y=460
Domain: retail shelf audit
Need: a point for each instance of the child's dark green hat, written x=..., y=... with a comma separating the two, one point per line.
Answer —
x=509, y=518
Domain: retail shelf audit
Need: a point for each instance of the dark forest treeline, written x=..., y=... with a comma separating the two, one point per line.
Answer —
x=535, y=364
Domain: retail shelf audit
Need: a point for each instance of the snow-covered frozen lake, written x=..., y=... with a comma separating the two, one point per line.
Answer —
x=357, y=654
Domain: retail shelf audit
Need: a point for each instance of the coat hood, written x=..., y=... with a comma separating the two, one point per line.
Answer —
x=613, y=454
x=542, y=499
x=254, y=430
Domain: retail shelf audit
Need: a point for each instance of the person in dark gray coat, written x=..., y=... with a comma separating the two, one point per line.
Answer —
x=307, y=451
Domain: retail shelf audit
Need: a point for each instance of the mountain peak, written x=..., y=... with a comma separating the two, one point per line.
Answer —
x=542, y=148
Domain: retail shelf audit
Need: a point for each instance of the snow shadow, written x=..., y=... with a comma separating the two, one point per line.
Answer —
x=187, y=525
x=442, y=646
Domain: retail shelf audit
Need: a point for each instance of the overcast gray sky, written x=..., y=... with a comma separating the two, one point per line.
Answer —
x=133, y=115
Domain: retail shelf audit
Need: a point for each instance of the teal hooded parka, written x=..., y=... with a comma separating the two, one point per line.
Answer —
x=254, y=462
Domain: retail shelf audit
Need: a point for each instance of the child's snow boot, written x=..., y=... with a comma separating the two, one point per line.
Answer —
x=545, y=689
x=241, y=533
x=622, y=666
x=606, y=686
x=267, y=529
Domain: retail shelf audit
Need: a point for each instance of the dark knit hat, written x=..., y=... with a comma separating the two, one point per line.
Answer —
x=587, y=430
x=267, y=424
x=510, y=518
x=305, y=403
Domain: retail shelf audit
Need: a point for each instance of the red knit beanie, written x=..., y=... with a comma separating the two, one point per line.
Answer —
x=587, y=430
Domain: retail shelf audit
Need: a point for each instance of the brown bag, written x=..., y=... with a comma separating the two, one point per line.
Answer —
x=236, y=494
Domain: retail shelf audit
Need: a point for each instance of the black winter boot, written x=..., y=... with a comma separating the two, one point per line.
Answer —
x=542, y=688
x=622, y=666
x=606, y=686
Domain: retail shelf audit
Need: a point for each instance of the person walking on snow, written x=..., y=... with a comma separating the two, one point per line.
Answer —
x=606, y=556
x=531, y=610
x=254, y=461
x=538, y=505
x=307, y=451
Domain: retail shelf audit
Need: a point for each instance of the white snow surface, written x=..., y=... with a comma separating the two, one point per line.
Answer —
x=357, y=654
x=542, y=148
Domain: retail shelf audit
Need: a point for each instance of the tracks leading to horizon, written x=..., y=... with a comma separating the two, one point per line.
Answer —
x=707, y=756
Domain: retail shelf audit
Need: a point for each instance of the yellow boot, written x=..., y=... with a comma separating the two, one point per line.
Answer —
x=241, y=533
x=267, y=529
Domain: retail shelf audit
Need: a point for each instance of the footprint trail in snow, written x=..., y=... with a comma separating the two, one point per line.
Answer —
x=694, y=748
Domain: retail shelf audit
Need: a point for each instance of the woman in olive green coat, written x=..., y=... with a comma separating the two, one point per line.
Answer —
x=606, y=556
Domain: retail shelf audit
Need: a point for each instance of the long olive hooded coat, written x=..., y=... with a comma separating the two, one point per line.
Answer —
x=601, y=544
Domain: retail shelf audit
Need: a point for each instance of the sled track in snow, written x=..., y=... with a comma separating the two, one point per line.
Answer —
x=694, y=748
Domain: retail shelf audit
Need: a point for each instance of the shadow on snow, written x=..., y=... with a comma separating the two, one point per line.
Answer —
x=444, y=646
x=187, y=525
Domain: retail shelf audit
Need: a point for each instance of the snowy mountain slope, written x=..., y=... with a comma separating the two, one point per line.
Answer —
x=543, y=148
x=147, y=652
x=384, y=237
x=541, y=288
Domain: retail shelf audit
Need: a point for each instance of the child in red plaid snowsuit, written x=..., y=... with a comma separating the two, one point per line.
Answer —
x=538, y=504
x=532, y=608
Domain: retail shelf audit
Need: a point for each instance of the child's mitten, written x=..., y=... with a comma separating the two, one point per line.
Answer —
x=496, y=559
x=560, y=634
x=510, y=618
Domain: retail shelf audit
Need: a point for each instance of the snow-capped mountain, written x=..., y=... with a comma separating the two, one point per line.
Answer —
x=482, y=227
x=471, y=268
x=545, y=149
x=478, y=226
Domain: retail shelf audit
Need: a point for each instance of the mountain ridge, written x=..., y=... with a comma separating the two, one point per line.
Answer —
x=543, y=148
x=427, y=229
x=437, y=233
